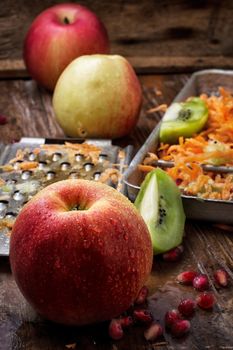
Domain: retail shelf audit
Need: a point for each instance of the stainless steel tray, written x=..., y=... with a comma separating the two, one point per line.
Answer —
x=58, y=164
x=206, y=81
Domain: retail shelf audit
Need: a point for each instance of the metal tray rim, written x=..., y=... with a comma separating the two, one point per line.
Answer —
x=154, y=134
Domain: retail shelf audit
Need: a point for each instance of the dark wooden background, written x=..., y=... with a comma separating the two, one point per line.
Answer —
x=158, y=36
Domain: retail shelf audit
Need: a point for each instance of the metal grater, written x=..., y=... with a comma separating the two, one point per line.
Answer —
x=18, y=185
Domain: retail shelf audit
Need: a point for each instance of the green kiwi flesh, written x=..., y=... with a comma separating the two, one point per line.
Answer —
x=160, y=204
x=183, y=119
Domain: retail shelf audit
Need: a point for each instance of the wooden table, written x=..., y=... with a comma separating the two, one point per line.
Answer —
x=207, y=247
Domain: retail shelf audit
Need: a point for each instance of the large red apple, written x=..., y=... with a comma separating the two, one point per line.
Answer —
x=80, y=252
x=98, y=96
x=57, y=36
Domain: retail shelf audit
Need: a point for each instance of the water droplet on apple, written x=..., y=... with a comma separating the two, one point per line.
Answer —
x=132, y=253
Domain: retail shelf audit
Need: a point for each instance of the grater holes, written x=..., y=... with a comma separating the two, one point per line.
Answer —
x=32, y=156
x=103, y=157
x=26, y=174
x=11, y=181
x=42, y=165
x=78, y=157
x=50, y=175
x=3, y=205
x=88, y=166
x=56, y=156
x=65, y=166
x=96, y=175
x=10, y=215
x=18, y=196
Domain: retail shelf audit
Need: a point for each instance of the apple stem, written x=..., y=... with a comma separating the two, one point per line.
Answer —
x=66, y=20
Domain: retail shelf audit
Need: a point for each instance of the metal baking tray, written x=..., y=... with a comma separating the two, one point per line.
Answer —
x=38, y=166
x=205, y=81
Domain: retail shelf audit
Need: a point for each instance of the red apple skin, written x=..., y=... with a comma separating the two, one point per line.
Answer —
x=50, y=44
x=78, y=267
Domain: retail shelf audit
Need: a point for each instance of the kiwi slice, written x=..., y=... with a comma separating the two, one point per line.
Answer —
x=160, y=204
x=183, y=119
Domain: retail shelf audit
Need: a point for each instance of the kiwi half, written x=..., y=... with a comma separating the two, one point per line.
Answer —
x=183, y=119
x=160, y=204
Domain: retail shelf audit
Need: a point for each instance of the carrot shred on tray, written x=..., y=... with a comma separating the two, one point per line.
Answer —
x=213, y=145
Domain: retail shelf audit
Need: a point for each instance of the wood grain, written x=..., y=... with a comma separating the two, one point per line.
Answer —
x=162, y=35
x=141, y=64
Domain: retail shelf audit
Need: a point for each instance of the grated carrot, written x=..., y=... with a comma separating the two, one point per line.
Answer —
x=213, y=145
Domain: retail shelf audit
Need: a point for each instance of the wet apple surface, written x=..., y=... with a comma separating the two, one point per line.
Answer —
x=80, y=252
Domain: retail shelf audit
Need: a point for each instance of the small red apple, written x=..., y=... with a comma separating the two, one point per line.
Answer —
x=80, y=252
x=57, y=36
x=98, y=96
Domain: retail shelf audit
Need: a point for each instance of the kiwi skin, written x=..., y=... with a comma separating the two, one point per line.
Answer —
x=160, y=205
x=183, y=119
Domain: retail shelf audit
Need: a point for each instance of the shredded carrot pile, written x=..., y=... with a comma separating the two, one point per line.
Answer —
x=214, y=146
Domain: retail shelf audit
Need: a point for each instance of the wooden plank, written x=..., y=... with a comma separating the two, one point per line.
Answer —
x=162, y=29
x=22, y=102
x=142, y=65
x=13, y=68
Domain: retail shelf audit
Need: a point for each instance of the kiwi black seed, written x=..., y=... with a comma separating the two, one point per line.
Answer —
x=160, y=204
x=184, y=114
x=183, y=119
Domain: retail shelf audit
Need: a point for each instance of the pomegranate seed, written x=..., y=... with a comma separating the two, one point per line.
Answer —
x=186, y=277
x=115, y=330
x=126, y=321
x=142, y=295
x=187, y=307
x=153, y=332
x=173, y=254
x=180, y=328
x=201, y=282
x=205, y=300
x=221, y=277
x=171, y=317
x=143, y=316
x=3, y=119
x=178, y=181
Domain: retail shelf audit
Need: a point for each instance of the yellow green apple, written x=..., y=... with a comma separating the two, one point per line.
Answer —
x=98, y=96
